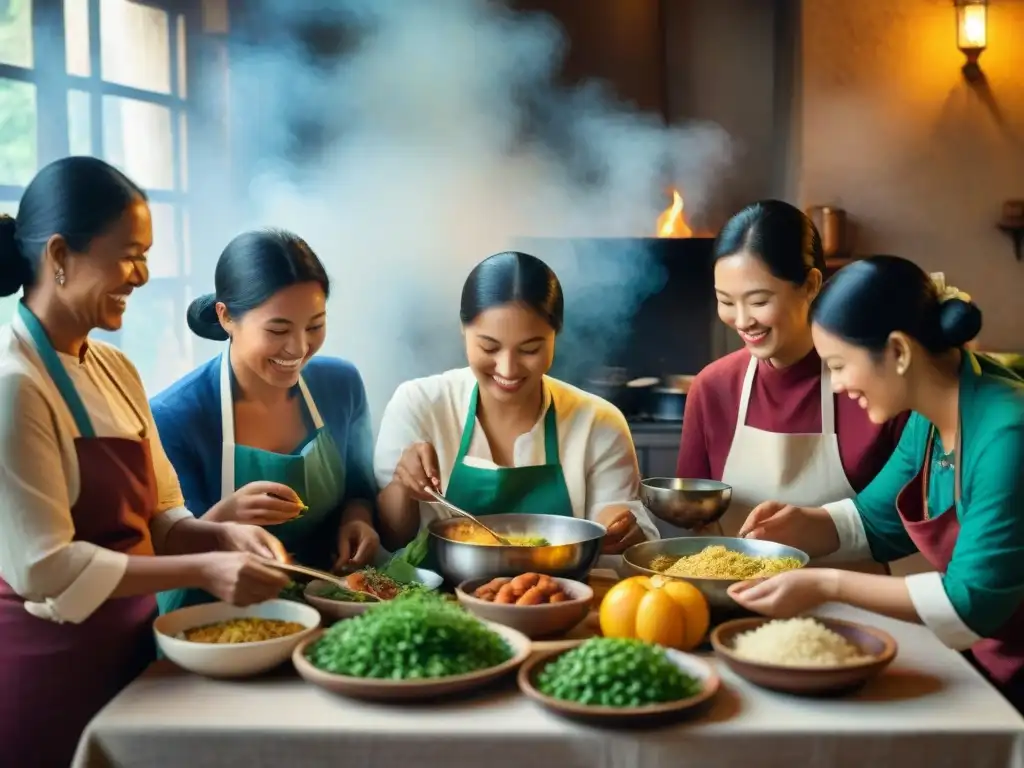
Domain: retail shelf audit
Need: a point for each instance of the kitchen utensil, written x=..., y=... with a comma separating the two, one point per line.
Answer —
x=463, y=513
x=373, y=689
x=227, y=660
x=878, y=645
x=534, y=621
x=667, y=404
x=637, y=561
x=574, y=548
x=336, y=610
x=684, y=502
x=312, y=573
x=621, y=717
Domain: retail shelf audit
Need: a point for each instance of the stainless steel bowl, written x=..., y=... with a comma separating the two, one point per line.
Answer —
x=686, y=503
x=637, y=561
x=575, y=546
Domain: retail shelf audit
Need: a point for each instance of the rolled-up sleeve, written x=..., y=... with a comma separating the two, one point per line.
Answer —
x=400, y=427
x=613, y=474
x=61, y=579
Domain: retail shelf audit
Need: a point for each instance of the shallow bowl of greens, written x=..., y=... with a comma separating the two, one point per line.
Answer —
x=419, y=647
x=618, y=683
x=336, y=604
x=569, y=547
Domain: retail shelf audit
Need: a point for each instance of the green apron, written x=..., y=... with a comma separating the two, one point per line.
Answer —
x=315, y=472
x=539, y=490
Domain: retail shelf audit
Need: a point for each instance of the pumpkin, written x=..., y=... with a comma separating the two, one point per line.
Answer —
x=655, y=609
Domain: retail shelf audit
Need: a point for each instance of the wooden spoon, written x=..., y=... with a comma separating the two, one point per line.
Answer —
x=338, y=581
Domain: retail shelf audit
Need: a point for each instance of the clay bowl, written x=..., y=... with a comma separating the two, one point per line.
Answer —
x=808, y=681
x=371, y=689
x=534, y=621
x=337, y=610
x=621, y=717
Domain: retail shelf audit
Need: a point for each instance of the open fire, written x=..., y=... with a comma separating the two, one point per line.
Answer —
x=672, y=221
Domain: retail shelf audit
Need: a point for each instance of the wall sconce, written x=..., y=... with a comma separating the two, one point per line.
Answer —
x=971, y=34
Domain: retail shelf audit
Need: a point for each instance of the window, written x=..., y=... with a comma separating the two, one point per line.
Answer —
x=119, y=91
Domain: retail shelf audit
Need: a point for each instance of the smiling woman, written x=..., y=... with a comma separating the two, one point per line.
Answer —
x=280, y=436
x=764, y=419
x=500, y=435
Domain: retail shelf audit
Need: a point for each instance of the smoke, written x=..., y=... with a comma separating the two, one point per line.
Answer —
x=438, y=138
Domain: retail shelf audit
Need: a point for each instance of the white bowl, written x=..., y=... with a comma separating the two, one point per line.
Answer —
x=232, y=659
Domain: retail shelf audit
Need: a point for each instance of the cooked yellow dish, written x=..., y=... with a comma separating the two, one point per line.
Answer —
x=246, y=630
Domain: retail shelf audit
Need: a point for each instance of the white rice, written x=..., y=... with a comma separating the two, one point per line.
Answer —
x=801, y=642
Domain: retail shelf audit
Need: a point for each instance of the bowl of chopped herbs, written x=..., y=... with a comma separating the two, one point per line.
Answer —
x=618, y=681
x=366, y=588
x=417, y=647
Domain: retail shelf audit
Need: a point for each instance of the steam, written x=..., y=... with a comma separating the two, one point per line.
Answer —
x=450, y=141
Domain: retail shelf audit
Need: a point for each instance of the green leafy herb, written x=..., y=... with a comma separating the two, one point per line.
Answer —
x=616, y=672
x=418, y=637
x=415, y=551
x=342, y=595
x=294, y=592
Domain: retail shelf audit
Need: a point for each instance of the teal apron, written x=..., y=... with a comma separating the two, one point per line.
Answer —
x=539, y=490
x=315, y=472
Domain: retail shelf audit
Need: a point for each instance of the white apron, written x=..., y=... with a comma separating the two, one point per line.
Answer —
x=801, y=469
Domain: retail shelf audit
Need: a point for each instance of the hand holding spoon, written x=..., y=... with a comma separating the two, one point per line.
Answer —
x=463, y=513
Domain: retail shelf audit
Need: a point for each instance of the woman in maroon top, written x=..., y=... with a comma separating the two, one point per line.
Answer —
x=764, y=419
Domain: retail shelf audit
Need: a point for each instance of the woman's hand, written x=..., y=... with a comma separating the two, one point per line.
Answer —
x=808, y=529
x=621, y=529
x=240, y=578
x=358, y=542
x=787, y=594
x=258, y=503
x=417, y=469
x=236, y=537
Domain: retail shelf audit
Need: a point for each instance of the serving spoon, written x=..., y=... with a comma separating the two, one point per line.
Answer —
x=330, y=578
x=463, y=513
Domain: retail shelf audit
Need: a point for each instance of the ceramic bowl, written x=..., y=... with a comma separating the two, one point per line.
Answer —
x=336, y=610
x=371, y=689
x=534, y=621
x=874, y=643
x=231, y=659
x=620, y=717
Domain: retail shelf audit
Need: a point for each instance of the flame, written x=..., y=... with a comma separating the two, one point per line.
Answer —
x=672, y=221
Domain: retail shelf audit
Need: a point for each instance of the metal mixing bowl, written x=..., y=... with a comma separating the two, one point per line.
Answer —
x=685, y=503
x=575, y=546
x=637, y=561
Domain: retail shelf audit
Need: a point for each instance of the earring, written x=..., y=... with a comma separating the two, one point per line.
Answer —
x=901, y=370
x=59, y=276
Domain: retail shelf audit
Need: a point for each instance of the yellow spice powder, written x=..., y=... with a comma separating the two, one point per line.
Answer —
x=717, y=562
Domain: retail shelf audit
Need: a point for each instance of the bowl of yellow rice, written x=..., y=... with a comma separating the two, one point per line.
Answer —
x=712, y=563
x=223, y=640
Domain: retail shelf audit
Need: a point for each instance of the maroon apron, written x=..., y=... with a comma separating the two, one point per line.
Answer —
x=999, y=658
x=55, y=677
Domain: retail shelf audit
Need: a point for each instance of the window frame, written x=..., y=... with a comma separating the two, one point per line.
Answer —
x=53, y=84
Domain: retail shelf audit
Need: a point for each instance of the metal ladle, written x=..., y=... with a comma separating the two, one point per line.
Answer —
x=463, y=513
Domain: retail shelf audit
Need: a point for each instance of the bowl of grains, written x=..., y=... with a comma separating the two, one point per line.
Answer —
x=223, y=640
x=807, y=655
x=712, y=563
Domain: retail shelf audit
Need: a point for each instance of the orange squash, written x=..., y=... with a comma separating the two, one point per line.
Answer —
x=657, y=610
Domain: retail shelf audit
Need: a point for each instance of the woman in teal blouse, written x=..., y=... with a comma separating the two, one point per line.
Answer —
x=953, y=490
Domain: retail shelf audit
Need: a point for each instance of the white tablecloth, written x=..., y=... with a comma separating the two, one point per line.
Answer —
x=929, y=709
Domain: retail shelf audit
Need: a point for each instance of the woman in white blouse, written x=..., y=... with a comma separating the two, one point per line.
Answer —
x=500, y=435
x=87, y=496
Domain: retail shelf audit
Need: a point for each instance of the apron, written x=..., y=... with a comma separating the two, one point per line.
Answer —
x=56, y=677
x=1000, y=658
x=316, y=472
x=537, y=490
x=802, y=469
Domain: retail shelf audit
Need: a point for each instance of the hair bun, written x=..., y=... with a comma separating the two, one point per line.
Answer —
x=202, y=318
x=960, y=321
x=14, y=270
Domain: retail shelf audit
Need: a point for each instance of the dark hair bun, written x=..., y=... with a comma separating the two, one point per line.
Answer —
x=14, y=270
x=202, y=318
x=960, y=321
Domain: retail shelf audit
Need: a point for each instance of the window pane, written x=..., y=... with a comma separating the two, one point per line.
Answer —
x=183, y=149
x=18, y=152
x=150, y=338
x=163, y=256
x=79, y=123
x=135, y=45
x=137, y=139
x=10, y=207
x=16, y=33
x=76, y=38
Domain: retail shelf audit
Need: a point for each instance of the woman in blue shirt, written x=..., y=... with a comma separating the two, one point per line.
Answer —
x=284, y=437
